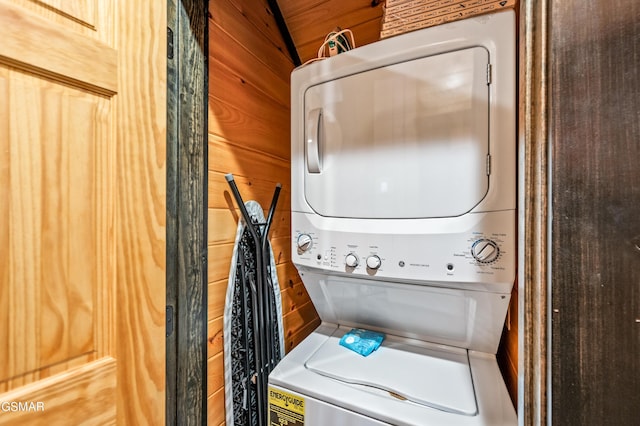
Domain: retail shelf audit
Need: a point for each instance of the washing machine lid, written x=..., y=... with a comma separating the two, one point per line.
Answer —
x=408, y=140
x=435, y=376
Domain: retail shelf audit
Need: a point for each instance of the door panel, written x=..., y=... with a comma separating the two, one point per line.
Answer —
x=59, y=200
x=56, y=52
x=82, y=236
x=82, y=395
x=83, y=11
x=58, y=203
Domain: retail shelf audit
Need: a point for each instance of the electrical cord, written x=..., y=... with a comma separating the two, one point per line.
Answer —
x=335, y=42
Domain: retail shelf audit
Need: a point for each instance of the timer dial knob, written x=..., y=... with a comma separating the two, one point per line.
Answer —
x=485, y=251
x=304, y=242
x=351, y=260
x=373, y=262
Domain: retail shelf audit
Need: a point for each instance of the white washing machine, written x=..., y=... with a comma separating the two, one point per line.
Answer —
x=403, y=197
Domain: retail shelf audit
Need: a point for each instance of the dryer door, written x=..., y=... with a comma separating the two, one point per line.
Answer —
x=408, y=140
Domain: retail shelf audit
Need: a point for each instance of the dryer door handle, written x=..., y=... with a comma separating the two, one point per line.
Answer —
x=313, y=139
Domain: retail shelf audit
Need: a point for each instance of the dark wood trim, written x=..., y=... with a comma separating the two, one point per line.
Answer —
x=595, y=193
x=284, y=31
x=172, y=222
x=186, y=350
x=534, y=216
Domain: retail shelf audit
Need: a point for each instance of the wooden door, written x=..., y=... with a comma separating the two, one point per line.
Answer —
x=82, y=211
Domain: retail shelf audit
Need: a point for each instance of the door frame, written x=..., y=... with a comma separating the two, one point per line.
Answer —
x=534, y=212
x=187, y=164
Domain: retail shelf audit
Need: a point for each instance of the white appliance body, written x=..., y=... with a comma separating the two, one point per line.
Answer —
x=330, y=401
x=403, y=221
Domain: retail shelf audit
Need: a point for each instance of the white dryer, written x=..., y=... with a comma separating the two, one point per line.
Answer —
x=403, y=197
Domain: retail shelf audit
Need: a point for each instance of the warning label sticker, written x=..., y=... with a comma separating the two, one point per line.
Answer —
x=285, y=409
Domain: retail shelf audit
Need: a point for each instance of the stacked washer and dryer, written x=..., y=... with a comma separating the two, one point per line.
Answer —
x=403, y=196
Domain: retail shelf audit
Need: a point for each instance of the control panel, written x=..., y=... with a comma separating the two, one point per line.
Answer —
x=480, y=250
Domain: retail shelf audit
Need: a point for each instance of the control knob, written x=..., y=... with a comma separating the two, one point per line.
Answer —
x=485, y=251
x=351, y=260
x=373, y=262
x=304, y=242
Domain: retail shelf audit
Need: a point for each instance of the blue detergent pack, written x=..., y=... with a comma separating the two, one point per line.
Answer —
x=362, y=341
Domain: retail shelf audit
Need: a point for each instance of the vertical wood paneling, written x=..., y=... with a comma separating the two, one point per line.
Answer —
x=595, y=122
x=249, y=136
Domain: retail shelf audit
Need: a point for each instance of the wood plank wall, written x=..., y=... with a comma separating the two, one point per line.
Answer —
x=309, y=21
x=508, y=350
x=249, y=128
x=249, y=137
